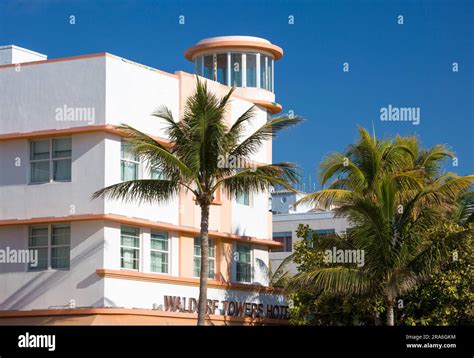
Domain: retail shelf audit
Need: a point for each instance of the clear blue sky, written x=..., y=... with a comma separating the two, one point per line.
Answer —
x=407, y=65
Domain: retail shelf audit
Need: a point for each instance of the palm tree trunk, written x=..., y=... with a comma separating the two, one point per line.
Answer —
x=390, y=313
x=202, y=303
x=377, y=319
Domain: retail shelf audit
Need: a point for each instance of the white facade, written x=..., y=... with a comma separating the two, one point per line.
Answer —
x=108, y=91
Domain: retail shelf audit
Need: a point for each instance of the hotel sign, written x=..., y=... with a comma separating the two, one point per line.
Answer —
x=227, y=308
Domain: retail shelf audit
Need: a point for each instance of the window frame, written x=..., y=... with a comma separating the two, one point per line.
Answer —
x=136, y=162
x=137, y=248
x=249, y=195
x=49, y=247
x=167, y=252
x=51, y=160
x=257, y=62
x=241, y=69
x=239, y=262
x=210, y=258
x=286, y=238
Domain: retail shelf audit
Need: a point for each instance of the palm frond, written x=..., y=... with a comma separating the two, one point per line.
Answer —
x=145, y=190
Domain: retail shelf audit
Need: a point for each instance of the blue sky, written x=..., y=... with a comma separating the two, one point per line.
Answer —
x=407, y=65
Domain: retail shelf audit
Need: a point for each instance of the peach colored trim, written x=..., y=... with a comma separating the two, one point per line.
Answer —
x=141, y=276
x=273, y=49
x=273, y=107
x=62, y=59
x=130, y=311
x=59, y=132
x=108, y=128
x=139, y=222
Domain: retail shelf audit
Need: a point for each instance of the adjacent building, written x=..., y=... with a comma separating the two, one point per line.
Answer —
x=111, y=262
x=286, y=219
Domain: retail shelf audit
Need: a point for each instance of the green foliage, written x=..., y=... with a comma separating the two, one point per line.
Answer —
x=394, y=193
x=447, y=297
x=318, y=307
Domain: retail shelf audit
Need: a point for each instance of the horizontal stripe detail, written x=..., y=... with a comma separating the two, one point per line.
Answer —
x=139, y=222
x=153, y=277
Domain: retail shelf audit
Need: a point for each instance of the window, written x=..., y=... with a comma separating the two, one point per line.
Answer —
x=199, y=65
x=60, y=246
x=129, y=162
x=222, y=68
x=39, y=240
x=243, y=199
x=244, y=265
x=159, y=250
x=50, y=160
x=324, y=232
x=53, y=244
x=251, y=70
x=197, y=258
x=209, y=67
x=285, y=239
x=129, y=248
x=270, y=74
x=236, y=69
x=263, y=72
x=156, y=173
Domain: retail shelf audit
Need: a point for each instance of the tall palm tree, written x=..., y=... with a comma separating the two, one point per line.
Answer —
x=195, y=162
x=393, y=192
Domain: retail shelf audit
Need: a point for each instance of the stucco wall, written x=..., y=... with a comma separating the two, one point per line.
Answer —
x=22, y=290
x=21, y=200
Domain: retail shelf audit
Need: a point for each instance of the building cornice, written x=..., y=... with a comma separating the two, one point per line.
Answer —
x=140, y=222
x=153, y=277
x=108, y=128
x=132, y=312
x=192, y=52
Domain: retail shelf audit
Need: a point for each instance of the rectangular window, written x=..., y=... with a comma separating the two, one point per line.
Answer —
x=159, y=249
x=53, y=244
x=129, y=162
x=209, y=67
x=39, y=240
x=62, y=159
x=251, y=70
x=285, y=239
x=236, y=69
x=263, y=72
x=243, y=199
x=129, y=248
x=222, y=68
x=156, y=173
x=197, y=258
x=324, y=232
x=269, y=74
x=244, y=263
x=50, y=160
x=199, y=65
x=60, y=246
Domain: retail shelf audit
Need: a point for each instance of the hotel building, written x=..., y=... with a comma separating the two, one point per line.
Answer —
x=287, y=218
x=111, y=262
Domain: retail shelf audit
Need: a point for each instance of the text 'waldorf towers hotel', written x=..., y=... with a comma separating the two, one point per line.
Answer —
x=111, y=262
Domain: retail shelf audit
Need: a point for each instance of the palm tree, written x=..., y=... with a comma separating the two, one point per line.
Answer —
x=194, y=162
x=393, y=192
